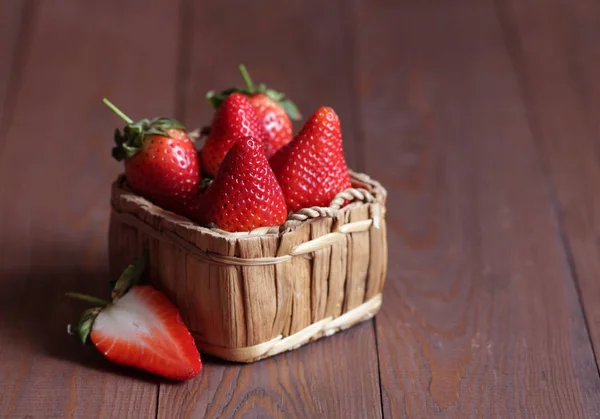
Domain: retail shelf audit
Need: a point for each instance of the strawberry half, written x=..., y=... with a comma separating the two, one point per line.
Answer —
x=273, y=109
x=140, y=328
x=161, y=161
x=311, y=169
x=245, y=194
x=235, y=118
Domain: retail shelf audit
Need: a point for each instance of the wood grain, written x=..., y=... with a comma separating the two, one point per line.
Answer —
x=295, y=384
x=55, y=169
x=479, y=118
x=379, y=254
x=298, y=270
x=480, y=315
x=307, y=55
x=557, y=59
x=288, y=50
x=358, y=261
x=15, y=28
x=260, y=306
x=320, y=272
x=337, y=276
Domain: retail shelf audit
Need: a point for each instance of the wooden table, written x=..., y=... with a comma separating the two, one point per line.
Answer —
x=479, y=116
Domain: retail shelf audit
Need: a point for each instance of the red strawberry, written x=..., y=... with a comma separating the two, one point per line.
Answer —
x=245, y=194
x=275, y=121
x=161, y=161
x=273, y=109
x=311, y=169
x=140, y=328
x=234, y=119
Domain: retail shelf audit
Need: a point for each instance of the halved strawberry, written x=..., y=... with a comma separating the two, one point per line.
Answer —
x=140, y=328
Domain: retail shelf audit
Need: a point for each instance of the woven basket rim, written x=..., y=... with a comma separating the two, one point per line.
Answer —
x=372, y=191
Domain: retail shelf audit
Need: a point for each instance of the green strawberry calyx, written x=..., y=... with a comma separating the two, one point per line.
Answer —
x=131, y=140
x=216, y=99
x=205, y=183
x=129, y=278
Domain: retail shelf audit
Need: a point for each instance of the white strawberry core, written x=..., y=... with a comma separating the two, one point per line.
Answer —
x=128, y=319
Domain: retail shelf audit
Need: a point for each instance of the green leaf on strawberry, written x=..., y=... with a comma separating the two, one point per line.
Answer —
x=140, y=328
x=85, y=323
x=216, y=99
x=131, y=140
x=290, y=108
x=130, y=276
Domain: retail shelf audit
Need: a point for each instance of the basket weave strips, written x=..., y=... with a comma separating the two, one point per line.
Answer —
x=247, y=296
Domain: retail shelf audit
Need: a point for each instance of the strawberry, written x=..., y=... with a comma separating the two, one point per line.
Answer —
x=245, y=194
x=161, y=161
x=235, y=118
x=140, y=328
x=311, y=169
x=273, y=109
x=275, y=121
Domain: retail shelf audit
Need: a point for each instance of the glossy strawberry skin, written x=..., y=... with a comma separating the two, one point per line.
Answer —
x=245, y=194
x=143, y=330
x=166, y=170
x=235, y=118
x=275, y=122
x=311, y=169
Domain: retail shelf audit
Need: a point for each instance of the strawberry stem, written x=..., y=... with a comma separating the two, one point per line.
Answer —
x=246, y=77
x=87, y=298
x=118, y=111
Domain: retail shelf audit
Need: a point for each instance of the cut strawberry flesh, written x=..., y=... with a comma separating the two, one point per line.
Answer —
x=143, y=329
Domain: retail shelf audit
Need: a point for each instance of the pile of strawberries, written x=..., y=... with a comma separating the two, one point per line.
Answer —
x=251, y=171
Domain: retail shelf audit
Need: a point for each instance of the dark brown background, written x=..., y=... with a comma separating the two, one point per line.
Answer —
x=479, y=116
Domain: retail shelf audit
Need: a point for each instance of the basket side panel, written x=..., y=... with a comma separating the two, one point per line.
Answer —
x=216, y=292
x=284, y=286
x=153, y=246
x=259, y=289
x=123, y=246
x=172, y=272
x=320, y=270
x=337, y=274
x=301, y=268
x=377, y=264
x=216, y=311
x=293, y=285
x=232, y=320
x=358, y=260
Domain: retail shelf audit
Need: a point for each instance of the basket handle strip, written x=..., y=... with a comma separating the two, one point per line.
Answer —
x=352, y=194
x=327, y=327
x=294, y=219
x=301, y=249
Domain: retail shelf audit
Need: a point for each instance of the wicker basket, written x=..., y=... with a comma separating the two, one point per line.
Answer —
x=248, y=296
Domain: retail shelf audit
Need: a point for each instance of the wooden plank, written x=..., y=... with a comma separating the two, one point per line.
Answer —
x=557, y=59
x=55, y=174
x=15, y=17
x=307, y=54
x=297, y=384
x=480, y=313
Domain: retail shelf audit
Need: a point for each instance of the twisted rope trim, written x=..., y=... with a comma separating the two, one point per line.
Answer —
x=215, y=258
x=325, y=327
x=359, y=195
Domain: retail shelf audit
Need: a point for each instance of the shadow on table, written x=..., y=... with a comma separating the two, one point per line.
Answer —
x=34, y=314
